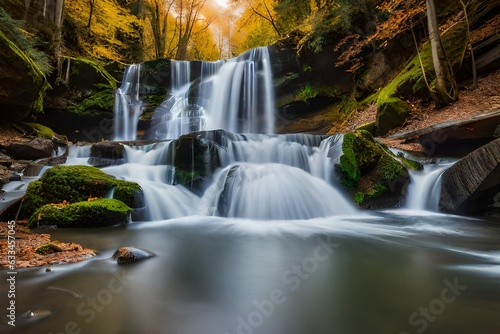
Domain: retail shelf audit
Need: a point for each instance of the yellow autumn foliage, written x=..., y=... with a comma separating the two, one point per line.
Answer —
x=111, y=31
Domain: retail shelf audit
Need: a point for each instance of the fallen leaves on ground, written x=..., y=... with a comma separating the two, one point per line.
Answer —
x=26, y=244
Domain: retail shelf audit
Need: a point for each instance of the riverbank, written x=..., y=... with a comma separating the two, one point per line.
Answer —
x=36, y=249
x=472, y=102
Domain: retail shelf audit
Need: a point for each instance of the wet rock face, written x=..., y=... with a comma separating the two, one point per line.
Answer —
x=472, y=185
x=196, y=157
x=106, y=153
x=38, y=148
x=124, y=255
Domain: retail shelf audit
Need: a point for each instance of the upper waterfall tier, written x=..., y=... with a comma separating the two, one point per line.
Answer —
x=235, y=95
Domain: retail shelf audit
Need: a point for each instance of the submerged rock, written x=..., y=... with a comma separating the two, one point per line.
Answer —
x=131, y=254
x=472, y=185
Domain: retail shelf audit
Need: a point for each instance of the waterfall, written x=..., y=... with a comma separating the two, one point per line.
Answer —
x=128, y=105
x=425, y=187
x=236, y=95
x=273, y=191
x=242, y=98
x=308, y=152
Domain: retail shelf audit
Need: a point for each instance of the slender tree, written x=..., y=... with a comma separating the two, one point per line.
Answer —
x=189, y=18
x=446, y=90
x=92, y=4
x=158, y=12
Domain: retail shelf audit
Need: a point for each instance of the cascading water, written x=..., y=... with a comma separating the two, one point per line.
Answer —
x=274, y=192
x=128, y=105
x=274, y=177
x=236, y=95
x=425, y=187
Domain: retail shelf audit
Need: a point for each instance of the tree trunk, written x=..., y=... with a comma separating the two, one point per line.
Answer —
x=58, y=20
x=446, y=91
x=91, y=2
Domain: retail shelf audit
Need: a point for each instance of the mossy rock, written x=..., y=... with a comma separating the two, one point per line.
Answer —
x=97, y=213
x=392, y=112
x=43, y=131
x=23, y=84
x=371, y=173
x=47, y=249
x=75, y=184
x=371, y=127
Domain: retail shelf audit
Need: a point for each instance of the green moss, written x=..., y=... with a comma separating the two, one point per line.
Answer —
x=410, y=82
x=34, y=71
x=377, y=190
x=392, y=112
x=359, y=197
x=348, y=162
x=370, y=127
x=33, y=199
x=307, y=93
x=47, y=249
x=411, y=164
x=367, y=167
x=75, y=184
x=99, y=103
x=97, y=213
x=42, y=131
x=99, y=69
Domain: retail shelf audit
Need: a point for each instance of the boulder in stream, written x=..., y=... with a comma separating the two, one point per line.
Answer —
x=74, y=184
x=196, y=156
x=373, y=175
x=472, y=185
x=95, y=213
x=107, y=153
x=125, y=255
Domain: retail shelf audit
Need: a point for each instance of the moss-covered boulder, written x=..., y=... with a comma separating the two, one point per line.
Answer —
x=370, y=127
x=373, y=176
x=42, y=131
x=392, y=112
x=77, y=184
x=22, y=83
x=95, y=213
